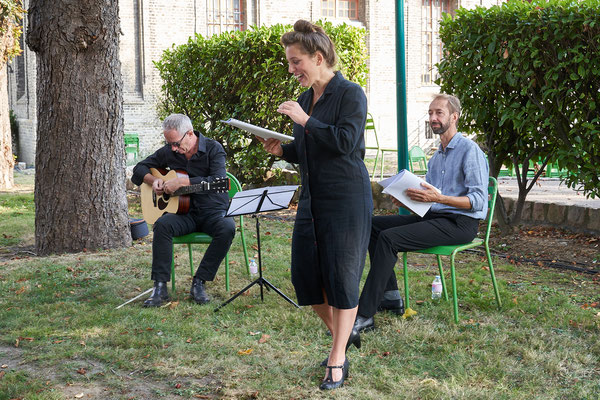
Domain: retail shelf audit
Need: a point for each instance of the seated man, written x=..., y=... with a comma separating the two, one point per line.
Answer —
x=204, y=160
x=460, y=171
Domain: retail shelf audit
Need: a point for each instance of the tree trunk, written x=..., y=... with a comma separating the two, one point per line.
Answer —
x=80, y=195
x=7, y=161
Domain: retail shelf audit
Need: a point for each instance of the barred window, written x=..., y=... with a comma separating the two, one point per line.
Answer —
x=345, y=9
x=224, y=15
x=431, y=52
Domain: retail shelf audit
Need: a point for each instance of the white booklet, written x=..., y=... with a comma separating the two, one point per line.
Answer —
x=396, y=186
x=257, y=130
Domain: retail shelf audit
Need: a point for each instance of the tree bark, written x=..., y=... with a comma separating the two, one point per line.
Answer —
x=7, y=161
x=80, y=194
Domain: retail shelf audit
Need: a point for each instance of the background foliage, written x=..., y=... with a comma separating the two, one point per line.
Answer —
x=244, y=75
x=11, y=13
x=528, y=75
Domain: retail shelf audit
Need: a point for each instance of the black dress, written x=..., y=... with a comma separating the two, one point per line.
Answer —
x=333, y=222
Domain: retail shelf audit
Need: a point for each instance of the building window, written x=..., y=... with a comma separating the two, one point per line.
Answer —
x=224, y=15
x=431, y=14
x=344, y=9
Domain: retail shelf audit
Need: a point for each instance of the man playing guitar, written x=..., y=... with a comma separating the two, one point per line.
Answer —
x=204, y=161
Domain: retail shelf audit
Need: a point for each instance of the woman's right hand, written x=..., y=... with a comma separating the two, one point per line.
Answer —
x=272, y=146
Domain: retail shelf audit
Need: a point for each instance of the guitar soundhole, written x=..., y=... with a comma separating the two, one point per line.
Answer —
x=163, y=201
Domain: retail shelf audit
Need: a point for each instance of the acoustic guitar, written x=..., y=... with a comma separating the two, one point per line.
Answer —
x=154, y=205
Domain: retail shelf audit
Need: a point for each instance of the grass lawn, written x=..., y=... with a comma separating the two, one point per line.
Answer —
x=62, y=338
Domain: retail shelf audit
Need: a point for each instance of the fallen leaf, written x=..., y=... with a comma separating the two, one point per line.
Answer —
x=17, y=343
x=81, y=371
x=245, y=352
x=202, y=396
x=21, y=290
x=419, y=302
x=82, y=343
x=2, y=374
x=177, y=386
x=189, y=340
x=78, y=396
x=514, y=300
x=58, y=341
x=409, y=312
x=386, y=353
x=173, y=304
x=264, y=338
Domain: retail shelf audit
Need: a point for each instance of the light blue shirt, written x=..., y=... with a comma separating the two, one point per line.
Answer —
x=460, y=170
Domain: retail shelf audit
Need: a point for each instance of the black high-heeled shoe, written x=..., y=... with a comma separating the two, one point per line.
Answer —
x=353, y=339
x=328, y=383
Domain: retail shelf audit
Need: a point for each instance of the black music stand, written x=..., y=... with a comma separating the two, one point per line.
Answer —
x=253, y=202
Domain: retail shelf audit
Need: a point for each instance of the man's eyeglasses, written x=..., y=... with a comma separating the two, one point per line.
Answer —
x=178, y=143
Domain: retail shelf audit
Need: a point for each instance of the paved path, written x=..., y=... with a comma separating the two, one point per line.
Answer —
x=549, y=190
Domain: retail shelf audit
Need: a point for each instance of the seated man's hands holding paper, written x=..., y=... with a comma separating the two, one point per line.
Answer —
x=428, y=194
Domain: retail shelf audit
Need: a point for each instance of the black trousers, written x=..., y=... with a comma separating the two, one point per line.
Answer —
x=166, y=227
x=398, y=233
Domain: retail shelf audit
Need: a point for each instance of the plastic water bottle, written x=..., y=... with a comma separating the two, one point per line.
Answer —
x=253, y=267
x=436, y=288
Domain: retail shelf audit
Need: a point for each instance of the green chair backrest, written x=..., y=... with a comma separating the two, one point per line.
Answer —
x=234, y=185
x=416, y=151
x=371, y=131
x=493, y=193
x=417, y=160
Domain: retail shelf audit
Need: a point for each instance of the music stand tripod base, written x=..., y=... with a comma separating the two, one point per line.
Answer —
x=253, y=202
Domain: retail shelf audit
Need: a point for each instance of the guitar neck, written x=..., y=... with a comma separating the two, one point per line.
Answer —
x=219, y=187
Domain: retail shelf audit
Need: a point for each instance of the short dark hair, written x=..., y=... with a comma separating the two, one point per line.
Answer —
x=311, y=38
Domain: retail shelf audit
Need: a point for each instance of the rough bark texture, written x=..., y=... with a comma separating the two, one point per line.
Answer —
x=7, y=161
x=80, y=194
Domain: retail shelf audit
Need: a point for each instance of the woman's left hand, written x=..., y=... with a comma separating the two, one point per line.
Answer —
x=293, y=110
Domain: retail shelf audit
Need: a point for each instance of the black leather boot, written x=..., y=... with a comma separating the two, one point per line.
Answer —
x=395, y=306
x=198, y=292
x=159, y=295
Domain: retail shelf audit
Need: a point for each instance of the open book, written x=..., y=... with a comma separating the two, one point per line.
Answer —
x=257, y=130
x=396, y=186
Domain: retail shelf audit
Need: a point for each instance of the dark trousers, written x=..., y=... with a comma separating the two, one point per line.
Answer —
x=398, y=233
x=221, y=229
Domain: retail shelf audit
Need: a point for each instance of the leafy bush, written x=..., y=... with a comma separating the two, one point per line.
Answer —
x=528, y=75
x=244, y=75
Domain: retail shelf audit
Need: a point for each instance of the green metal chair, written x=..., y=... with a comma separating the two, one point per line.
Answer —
x=454, y=249
x=132, y=145
x=203, y=238
x=417, y=160
x=371, y=132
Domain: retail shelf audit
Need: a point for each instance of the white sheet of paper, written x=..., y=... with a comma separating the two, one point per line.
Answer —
x=246, y=201
x=257, y=130
x=396, y=186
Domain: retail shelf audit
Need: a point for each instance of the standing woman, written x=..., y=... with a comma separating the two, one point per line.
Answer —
x=333, y=222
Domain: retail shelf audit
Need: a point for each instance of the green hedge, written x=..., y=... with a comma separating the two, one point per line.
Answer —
x=244, y=75
x=528, y=76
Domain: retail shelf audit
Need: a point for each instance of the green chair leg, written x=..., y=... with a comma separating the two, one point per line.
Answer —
x=454, y=292
x=404, y=260
x=493, y=275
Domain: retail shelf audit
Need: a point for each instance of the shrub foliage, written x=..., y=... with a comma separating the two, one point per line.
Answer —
x=244, y=75
x=528, y=75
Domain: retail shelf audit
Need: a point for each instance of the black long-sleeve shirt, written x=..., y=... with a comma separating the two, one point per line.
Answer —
x=206, y=165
